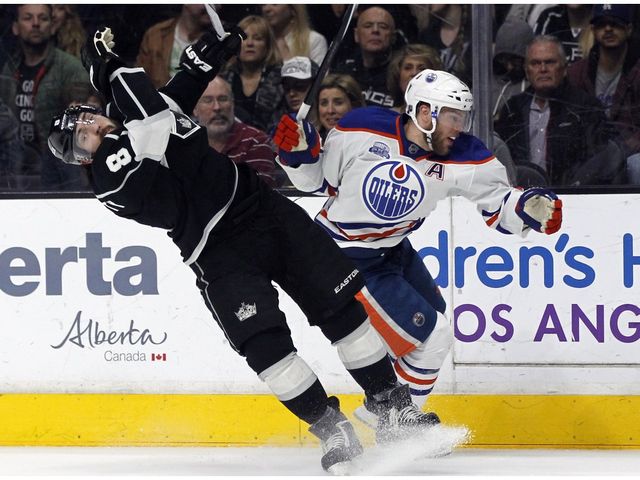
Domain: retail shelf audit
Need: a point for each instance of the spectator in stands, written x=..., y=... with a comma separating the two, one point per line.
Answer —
x=405, y=64
x=254, y=75
x=326, y=19
x=570, y=24
x=338, y=95
x=294, y=37
x=297, y=76
x=164, y=42
x=526, y=12
x=611, y=72
x=551, y=125
x=70, y=35
x=374, y=35
x=10, y=148
x=36, y=83
x=449, y=32
x=240, y=142
x=508, y=62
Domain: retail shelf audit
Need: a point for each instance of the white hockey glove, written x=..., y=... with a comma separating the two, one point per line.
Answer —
x=540, y=209
x=100, y=60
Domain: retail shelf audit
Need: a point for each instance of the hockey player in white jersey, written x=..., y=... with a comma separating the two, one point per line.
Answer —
x=384, y=173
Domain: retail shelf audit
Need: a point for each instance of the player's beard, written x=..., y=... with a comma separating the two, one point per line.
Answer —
x=439, y=143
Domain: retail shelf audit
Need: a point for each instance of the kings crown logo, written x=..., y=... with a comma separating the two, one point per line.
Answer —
x=246, y=311
x=184, y=122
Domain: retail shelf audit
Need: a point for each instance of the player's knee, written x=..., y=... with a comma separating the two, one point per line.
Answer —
x=289, y=377
x=432, y=352
x=344, y=321
x=360, y=348
x=264, y=349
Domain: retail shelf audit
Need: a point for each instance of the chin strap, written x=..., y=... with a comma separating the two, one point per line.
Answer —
x=428, y=133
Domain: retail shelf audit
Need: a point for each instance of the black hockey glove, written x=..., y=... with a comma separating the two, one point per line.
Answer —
x=205, y=58
x=100, y=60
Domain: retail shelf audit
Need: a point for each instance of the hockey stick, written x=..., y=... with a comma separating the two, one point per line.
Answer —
x=326, y=63
x=215, y=21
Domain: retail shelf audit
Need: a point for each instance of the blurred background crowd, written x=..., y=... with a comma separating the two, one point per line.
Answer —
x=563, y=87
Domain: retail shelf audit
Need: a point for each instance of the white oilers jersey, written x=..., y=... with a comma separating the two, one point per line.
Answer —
x=382, y=186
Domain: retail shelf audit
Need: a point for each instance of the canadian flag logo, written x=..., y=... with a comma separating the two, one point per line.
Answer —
x=157, y=357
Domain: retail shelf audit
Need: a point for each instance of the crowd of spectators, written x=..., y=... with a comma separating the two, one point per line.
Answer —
x=565, y=91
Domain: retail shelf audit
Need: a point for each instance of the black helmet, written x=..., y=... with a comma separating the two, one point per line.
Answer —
x=61, y=135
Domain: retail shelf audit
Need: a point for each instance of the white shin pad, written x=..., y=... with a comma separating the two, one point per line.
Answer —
x=420, y=367
x=361, y=348
x=289, y=377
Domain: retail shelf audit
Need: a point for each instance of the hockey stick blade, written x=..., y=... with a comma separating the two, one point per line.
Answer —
x=215, y=21
x=303, y=111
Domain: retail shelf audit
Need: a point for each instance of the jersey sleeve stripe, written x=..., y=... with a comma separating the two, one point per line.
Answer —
x=121, y=186
x=368, y=235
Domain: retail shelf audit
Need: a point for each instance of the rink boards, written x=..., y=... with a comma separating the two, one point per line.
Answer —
x=107, y=341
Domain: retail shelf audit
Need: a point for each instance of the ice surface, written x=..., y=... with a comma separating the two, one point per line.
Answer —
x=304, y=461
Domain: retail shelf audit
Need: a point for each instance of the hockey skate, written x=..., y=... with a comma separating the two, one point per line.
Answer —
x=338, y=438
x=394, y=416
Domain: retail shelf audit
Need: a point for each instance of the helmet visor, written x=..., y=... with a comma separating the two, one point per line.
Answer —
x=82, y=142
x=453, y=118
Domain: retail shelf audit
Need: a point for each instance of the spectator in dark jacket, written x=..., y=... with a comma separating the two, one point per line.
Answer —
x=508, y=62
x=38, y=81
x=552, y=125
x=611, y=73
x=10, y=148
x=374, y=35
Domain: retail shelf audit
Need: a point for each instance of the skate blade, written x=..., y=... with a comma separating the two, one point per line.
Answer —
x=366, y=417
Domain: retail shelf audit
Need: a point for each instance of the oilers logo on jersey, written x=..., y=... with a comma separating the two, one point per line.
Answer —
x=392, y=190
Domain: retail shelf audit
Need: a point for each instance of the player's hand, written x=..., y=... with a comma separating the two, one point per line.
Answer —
x=205, y=58
x=100, y=60
x=297, y=142
x=540, y=209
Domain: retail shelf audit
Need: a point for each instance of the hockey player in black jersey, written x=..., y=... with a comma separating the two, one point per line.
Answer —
x=150, y=163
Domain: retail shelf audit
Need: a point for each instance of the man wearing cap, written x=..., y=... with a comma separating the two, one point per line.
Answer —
x=611, y=72
x=297, y=76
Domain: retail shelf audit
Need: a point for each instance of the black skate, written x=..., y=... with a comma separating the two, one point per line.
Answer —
x=339, y=441
x=394, y=416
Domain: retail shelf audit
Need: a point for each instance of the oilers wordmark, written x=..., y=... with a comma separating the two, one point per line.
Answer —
x=392, y=190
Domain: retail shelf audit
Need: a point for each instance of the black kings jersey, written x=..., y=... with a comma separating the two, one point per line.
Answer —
x=159, y=170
